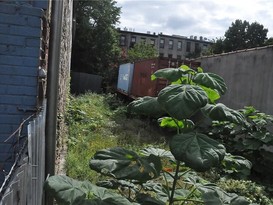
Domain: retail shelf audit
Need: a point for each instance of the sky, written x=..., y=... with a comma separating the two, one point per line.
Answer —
x=207, y=18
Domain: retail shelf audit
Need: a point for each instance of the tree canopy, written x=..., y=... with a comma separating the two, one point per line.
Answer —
x=95, y=45
x=241, y=35
x=141, y=51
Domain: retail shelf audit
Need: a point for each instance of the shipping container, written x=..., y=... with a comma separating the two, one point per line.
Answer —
x=135, y=79
x=125, y=77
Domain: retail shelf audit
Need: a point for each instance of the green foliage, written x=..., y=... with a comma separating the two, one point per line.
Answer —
x=68, y=191
x=158, y=176
x=221, y=112
x=197, y=150
x=241, y=35
x=124, y=164
x=269, y=41
x=95, y=46
x=252, y=191
x=236, y=166
x=141, y=51
x=250, y=139
x=97, y=122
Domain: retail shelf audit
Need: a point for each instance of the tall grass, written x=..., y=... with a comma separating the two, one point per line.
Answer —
x=99, y=121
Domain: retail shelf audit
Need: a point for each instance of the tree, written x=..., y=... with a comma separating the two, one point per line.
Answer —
x=242, y=35
x=256, y=35
x=218, y=46
x=269, y=41
x=141, y=51
x=95, y=46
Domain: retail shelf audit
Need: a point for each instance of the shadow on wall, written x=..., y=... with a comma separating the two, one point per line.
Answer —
x=84, y=82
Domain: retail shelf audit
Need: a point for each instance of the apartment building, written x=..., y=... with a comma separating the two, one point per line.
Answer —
x=168, y=46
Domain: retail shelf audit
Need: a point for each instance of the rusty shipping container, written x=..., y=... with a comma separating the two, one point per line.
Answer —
x=142, y=85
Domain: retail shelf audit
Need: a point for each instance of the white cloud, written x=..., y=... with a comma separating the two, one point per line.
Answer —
x=210, y=18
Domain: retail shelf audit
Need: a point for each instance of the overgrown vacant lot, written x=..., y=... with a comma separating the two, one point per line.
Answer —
x=97, y=122
x=101, y=121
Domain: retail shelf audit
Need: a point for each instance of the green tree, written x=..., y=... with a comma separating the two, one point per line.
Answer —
x=235, y=36
x=141, y=51
x=269, y=41
x=95, y=45
x=218, y=46
x=243, y=35
x=256, y=35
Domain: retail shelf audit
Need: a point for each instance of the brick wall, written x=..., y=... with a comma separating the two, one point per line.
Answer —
x=20, y=39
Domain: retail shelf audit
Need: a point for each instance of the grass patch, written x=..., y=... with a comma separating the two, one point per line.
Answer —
x=97, y=122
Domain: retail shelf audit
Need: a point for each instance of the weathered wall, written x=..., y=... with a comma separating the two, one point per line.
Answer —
x=64, y=79
x=20, y=40
x=248, y=75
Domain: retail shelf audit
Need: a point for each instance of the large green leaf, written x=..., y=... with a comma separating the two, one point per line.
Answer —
x=213, y=195
x=197, y=150
x=182, y=101
x=171, y=74
x=68, y=191
x=124, y=164
x=213, y=95
x=147, y=105
x=236, y=165
x=212, y=81
x=220, y=112
x=172, y=123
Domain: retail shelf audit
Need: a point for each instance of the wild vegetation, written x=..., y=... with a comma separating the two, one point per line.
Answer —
x=241, y=35
x=141, y=51
x=95, y=47
x=190, y=171
x=99, y=121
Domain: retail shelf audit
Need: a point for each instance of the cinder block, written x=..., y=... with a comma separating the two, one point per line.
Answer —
x=19, y=51
x=13, y=19
x=12, y=40
x=18, y=90
x=33, y=42
x=18, y=80
x=31, y=11
x=18, y=60
x=8, y=8
x=18, y=101
x=34, y=21
x=25, y=31
x=19, y=70
x=4, y=28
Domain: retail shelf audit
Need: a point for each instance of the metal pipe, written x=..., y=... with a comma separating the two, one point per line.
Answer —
x=52, y=89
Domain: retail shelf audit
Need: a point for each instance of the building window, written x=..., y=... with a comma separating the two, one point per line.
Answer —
x=178, y=57
x=170, y=56
x=153, y=42
x=188, y=47
x=197, y=47
x=179, y=45
x=133, y=41
x=122, y=40
x=162, y=42
x=161, y=55
x=205, y=45
x=171, y=44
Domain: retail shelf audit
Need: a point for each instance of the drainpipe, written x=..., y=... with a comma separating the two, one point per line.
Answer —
x=52, y=90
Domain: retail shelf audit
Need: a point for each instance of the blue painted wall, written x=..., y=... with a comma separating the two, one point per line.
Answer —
x=20, y=39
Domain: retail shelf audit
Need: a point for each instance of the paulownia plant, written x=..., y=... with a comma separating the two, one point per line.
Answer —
x=140, y=177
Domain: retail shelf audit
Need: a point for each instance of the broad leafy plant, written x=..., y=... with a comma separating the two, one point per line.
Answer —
x=156, y=176
x=251, y=140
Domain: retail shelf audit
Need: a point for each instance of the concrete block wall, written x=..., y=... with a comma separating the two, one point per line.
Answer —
x=20, y=40
x=248, y=75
